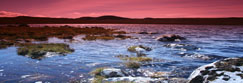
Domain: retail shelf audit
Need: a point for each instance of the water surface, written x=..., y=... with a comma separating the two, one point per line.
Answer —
x=218, y=41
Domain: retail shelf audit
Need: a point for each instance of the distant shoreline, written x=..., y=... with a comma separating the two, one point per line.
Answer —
x=121, y=20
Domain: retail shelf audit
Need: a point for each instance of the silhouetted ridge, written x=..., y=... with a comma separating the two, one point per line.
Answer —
x=109, y=19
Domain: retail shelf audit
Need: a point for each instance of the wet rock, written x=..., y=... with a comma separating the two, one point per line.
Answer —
x=131, y=79
x=147, y=33
x=153, y=32
x=143, y=33
x=197, y=79
x=23, y=25
x=177, y=80
x=169, y=38
x=223, y=71
x=200, y=56
x=112, y=72
x=182, y=47
x=51, y=54
x=108, y=72
x=154, y=74
x=196, y=56
x=39, y=82
x=35, y=77
x=122, y=36
x=146, y=80
x=139, y=49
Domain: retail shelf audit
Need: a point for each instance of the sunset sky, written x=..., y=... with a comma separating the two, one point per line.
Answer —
x=124, y=8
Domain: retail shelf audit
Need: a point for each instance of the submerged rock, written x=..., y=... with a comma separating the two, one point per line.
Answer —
x=143, y=33
x=154, y=74
x=200, y=56
x=113, y=75
x=223, y=71
x=182, y=47
x=147, y=33
x=169, y=38
x=34, y=77
x=196, y=56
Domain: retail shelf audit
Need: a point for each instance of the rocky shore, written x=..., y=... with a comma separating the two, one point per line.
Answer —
x=137, y=65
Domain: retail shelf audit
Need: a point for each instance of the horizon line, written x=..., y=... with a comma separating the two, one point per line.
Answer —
x=120, y=17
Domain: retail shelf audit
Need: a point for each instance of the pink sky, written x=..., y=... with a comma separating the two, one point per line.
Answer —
x=124, y=8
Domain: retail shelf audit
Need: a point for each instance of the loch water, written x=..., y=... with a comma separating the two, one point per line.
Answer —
x=214, y=41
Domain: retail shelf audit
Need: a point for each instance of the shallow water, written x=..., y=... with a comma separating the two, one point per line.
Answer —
x=218, y=41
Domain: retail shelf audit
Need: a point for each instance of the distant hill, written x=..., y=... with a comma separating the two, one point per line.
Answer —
x=109, y=19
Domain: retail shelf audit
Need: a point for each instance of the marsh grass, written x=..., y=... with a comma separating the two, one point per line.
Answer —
x=98, y=79
x=97, y=75
x=37, y=51
x=133, y=58
x=5, y=44
x=134, y=62
x=138, y=59
x=98, y=37
x=42, y=33
x=133, y=65
x=17, y=34
x=97, y=72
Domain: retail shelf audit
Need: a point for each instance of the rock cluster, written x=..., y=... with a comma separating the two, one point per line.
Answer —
x=170, y=38
x=229, y=70
x=110, y=75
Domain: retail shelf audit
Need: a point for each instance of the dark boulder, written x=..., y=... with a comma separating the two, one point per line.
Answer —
x=170, y=38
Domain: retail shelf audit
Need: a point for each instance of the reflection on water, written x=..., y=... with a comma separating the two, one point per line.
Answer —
x=212, y=41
